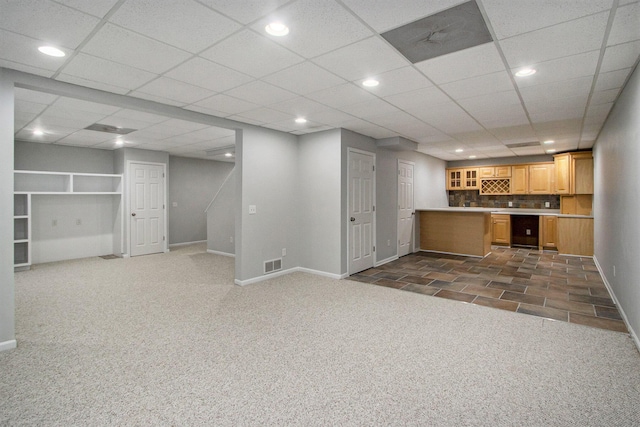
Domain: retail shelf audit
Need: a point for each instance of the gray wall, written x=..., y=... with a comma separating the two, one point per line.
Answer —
x=193, y=184
x=267, y=179
x=221, y=218
x=617, y=201
x=500, y=161
x=7, y=303
x=61, y=158
x=318, y=201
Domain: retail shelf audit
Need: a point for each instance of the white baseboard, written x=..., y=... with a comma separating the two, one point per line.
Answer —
x=452, y=253
x=8, y=345
x=384, y=261
x=632, y=333
x=171, y=245
x=289, y=271
x=211, y=251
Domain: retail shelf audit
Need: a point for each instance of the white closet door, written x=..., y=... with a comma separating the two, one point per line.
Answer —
x=147, y=208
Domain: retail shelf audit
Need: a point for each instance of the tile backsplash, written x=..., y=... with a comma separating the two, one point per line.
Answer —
x=472, y=198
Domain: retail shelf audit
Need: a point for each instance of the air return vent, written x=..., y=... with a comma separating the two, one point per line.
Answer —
x=273, y=265
x=99, y=127
x=524, y=144
x=451, y=30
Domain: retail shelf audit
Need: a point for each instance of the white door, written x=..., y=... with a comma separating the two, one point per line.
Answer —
x=405, y=208
x=361, y=210
x=147, y=208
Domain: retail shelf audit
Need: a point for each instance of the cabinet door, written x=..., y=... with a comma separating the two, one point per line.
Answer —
x=454, y=179
x=540, y=179
x=519, y=180
x=563, y=173
x=487, y=172
x=583, y=175
x=503, y=171
x=501, y=229
x=549, y=231
x=471, y=180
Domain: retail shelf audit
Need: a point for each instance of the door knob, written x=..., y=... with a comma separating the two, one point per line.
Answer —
x=352, y=219
x=133, y=214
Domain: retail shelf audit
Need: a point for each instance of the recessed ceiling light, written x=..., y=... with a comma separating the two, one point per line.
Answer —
x=301, y=120
x=459, y=150
x=228, y=155
x=549, y=141
x=472, y=157
x=524, y=72
x=277, y=29
x=370, y=83
x=38, y=132
x=119, y=141
x=51, y=51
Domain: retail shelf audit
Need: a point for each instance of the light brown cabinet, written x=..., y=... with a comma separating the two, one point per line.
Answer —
x=494, y=172
x=463, y=179
x=532, y=179
x=574, y=173
x=548, y=231
x=501, y=229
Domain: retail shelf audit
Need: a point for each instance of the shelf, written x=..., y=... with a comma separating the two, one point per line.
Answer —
x=21, y=217
x=21, y=229
x=43, y=182
x=21, y=241
x=21, y=254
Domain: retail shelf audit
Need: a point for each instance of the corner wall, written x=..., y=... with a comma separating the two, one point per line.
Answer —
x=616, y=201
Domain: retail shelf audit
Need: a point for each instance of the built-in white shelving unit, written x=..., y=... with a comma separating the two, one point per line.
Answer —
x=32, y=183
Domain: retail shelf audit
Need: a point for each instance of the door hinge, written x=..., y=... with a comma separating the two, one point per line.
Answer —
x=374, y=168
x=163, y=207
x=163, y=174
x=374, y=249
x=374, y=208
x=163, y=238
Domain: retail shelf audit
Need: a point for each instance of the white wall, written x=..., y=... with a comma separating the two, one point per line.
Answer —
x=221, y=218
x=267, y=178
x=318, y=201
x=193, y=184
x=616, y=201
x=7, y=304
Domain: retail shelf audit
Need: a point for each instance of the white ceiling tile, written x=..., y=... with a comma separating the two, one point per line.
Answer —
x=25, y=68
x=251, y=54
x=244, y=11
x=331, y=117
x=556, y=70
x=393, y=121
x=558, y=127
x=341, y=95
x=225, y=104
x=449, y=118
x=472, y=62
x=422, y=98
x=35, y=96
x=555, y=113
x=97, y=8
x=400, y=80
x=509, y=17
x=367, y=109
x=87, y=137
x=363, y=59
x=175, y=90
x=299, y=107
x=204, y=110
x=24, y=50
x=158, y=99
x=52, y=132
x=528, y=151
x=307, y=19
x=47, y=21
x=304, y=78
x=514, y=134
x=574, y=103
x=185, y=125
x=211, y=133
x=159, y=131
x=604, y=96
x=612, y=79
x=242, y=119
x=571, y=38
x=125, y=122
x=92, y=84
x=81, y=105
x=626, y=25
x=200, y=72
x=508, y=115
x=108, y=72
x=141, y=116
x=28, y=107
x=510, y=119
x=185, y=23
x=477, y=104
x=384, y=15
x=261, y=93
x=266, y=115
x=68, y=117
x=620, y=56
x=557, y=90
x=599, y=111
x=141, y=52
x=476, y=86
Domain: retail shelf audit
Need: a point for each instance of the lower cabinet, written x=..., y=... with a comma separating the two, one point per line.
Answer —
x=548, y=231
x=501, y=229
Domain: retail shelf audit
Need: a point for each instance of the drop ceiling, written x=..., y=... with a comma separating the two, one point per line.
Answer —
x=214, y=57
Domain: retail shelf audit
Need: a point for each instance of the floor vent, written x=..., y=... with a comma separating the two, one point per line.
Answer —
x=273, y=265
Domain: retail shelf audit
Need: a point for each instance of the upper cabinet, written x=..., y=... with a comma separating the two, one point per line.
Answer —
x=574, y=173
x=463, y=179
x=532, y=179
x=494, y=171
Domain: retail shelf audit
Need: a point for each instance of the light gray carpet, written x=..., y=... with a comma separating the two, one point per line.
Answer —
x=169, y=340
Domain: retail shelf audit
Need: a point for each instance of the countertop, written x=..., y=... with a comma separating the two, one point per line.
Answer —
x=507, y=211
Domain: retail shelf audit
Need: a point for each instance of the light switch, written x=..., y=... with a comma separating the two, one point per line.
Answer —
x=252, y=209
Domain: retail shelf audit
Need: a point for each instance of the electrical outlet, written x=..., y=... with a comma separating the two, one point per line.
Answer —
x=231, y=239
x=528, y=232
x=284, y=251
x=388, y=242
x=547, y=204
x=510, y=204
x=78, y=221
x=252, y=209
x=54, y=223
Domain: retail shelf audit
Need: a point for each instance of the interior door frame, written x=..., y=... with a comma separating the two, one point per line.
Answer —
x=413, y=203
x=373, y=201
x=127, y=213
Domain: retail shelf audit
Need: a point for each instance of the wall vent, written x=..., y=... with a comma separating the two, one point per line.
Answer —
x=272, y=265
x=523, y=144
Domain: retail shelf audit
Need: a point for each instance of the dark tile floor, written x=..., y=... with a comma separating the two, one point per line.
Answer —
x=534, y=282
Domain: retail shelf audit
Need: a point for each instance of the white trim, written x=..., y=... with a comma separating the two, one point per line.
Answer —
x=413, y=203
x=373, y=200
x=453, y=253
x=632, y=333
x=171, y=245
x=387, y=260
x=8, y=345
x=289, y=271
x=211, y=251
x=322, y=273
